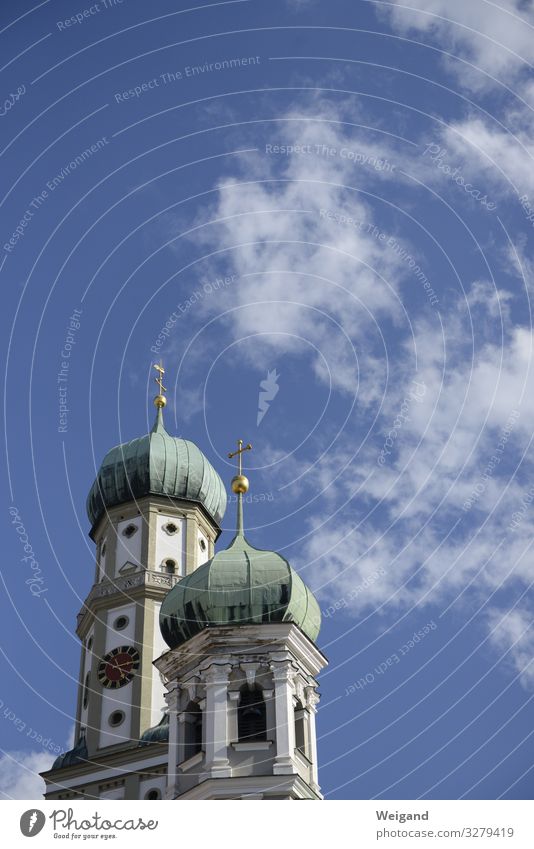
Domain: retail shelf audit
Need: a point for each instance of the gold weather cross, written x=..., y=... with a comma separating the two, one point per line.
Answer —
x=160, y=400
x=239, y=454
x=159, y=380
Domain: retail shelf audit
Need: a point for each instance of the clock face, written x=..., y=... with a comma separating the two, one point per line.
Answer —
x=118, y=667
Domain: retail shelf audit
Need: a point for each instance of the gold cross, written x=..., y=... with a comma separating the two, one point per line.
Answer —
x=239, y=454
x=159, y=380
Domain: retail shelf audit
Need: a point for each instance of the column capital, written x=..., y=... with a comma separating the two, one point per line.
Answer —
x=282, y=671
x=191, y=687
x=172, y=697
x=217, y=673
x=312, y=698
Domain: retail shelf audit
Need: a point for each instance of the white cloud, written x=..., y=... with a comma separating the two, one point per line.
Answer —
x=497, y=38
x=303, y=274
x=503, y=156
x=19, y=774
x=296, y=230
x=513, y=632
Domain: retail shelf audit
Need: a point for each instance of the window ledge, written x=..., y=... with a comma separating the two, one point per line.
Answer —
x=193, y=761
x=300, y=754
x=252, y=745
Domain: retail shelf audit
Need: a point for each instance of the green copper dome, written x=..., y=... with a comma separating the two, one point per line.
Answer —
x=156, y=464
x=242, y=585
x=157, y=734
x=76, y=755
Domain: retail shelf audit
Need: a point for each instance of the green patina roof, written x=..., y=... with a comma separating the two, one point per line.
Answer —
x=156, y=464
x=242, y=585
x=74, y=756
x=157, y=734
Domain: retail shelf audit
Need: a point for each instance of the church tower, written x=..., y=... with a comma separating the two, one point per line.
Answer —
x=241, y=675
x=155, y=510
x=198, y=670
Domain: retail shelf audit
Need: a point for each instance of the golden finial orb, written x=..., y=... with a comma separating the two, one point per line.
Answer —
x=240, y=484
x=160, y=401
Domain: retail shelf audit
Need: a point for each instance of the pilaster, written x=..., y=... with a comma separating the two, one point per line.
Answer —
x=172, y=703
x=283, y=674
x=216, y=719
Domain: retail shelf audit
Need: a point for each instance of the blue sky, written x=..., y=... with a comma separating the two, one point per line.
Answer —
x=342, y=195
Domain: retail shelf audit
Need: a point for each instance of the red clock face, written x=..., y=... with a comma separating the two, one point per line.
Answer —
x=118, y=667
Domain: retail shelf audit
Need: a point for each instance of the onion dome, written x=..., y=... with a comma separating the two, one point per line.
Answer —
x=157, y=734
x=156, y=464
x=73, y=756
x=241, y=585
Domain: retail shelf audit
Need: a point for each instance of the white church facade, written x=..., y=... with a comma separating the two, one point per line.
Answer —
x=198, y=670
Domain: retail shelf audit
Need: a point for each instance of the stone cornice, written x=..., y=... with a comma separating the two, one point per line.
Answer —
x=176, y=506
x=144, y=584
x=282, y=642
x=106, y=761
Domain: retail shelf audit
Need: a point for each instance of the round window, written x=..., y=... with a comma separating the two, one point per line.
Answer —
x=120, y=623
x=170, y=528
x=202, y=545
x=116, y=718
x=129, y=531
x=89, y=644
x=153, y=794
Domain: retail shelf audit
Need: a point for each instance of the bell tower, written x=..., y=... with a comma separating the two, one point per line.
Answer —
x=198, y=671
x=155, y=510
x=241, y=675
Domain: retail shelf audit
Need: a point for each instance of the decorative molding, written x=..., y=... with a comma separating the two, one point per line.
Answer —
x=190, y=762
x=252, y=746
x=250, y=670
x=190, y=688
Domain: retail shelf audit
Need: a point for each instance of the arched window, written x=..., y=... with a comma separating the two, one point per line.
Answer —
x=251, y=716
x=86, y=690
x=169, y=566
x=192, y=730
x=300, y=728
